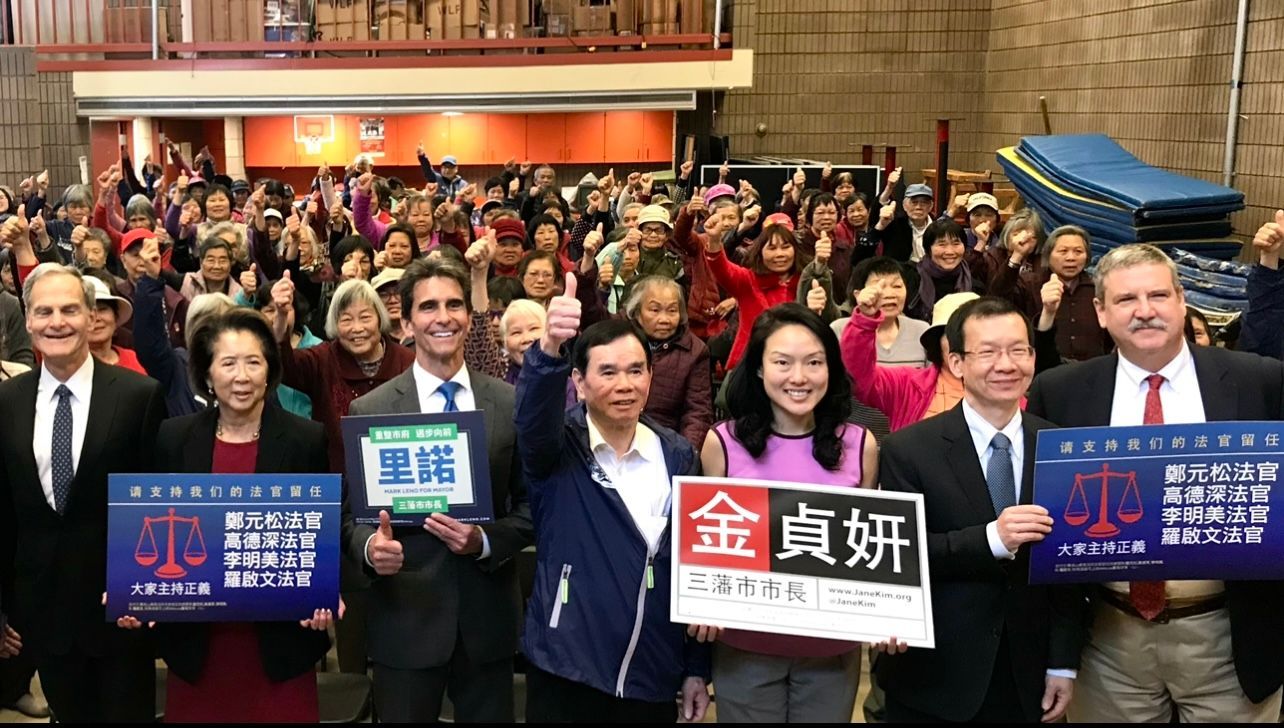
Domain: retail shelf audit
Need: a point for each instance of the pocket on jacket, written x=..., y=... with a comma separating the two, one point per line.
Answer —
x=562, y=596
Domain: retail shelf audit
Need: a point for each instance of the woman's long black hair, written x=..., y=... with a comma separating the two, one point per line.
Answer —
x=754, y=416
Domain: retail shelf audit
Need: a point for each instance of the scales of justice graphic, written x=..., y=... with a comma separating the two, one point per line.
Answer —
x=194, y=554
x=1129, y=509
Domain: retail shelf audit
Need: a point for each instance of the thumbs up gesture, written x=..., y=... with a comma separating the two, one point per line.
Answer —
x=885, y=215
x=1268, y=239
x=593, y=241
x=250, y=280
x=800, y=179
x=1051, y=294
x=982, y=233
x=384, y=551
x=78, y=234
x=283, y=299
x=893, y=177
x=292, y=223
x=824, y=248
x=478, y=254
x=564, y=313
x=869, y=299
x=151, y=258
x=816, y=297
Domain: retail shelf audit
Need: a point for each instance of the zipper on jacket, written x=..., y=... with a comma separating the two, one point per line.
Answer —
x=563, y=596
x=647, y=583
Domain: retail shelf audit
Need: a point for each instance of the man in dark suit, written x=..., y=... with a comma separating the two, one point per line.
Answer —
x=1206, y=650
x=66, y=426
x=1006, y=651
x=445, y=604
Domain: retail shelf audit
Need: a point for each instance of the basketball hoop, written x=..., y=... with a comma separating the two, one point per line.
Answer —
x=313, y=131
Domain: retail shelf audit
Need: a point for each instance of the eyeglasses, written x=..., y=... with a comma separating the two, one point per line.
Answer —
x=1020, y=354
x=654, y=232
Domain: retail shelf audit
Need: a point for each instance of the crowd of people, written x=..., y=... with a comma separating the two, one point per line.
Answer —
x=636, y=332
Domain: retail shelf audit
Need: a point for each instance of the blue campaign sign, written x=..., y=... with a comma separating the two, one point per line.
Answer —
x=222, y=548
x=413, y=465
x=1159, y=502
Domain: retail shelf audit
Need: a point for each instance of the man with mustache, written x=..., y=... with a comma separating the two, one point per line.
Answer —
x=1205, y=651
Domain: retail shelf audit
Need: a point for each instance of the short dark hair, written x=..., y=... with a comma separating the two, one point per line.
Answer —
x=879, y=265
x=494, y=182
x=542, y=219
x=818, y=199
x=302, y=309
x=505, y=289
x=403, y=228
x=201, y=353
x=753, y=254
x=858, y=196
x=274, y=187
x=981, y=308
x=753, y=413
x=1192, y=314
x=941, y=229
x=421, y=269
x=603, y=333
x=349, y=245
x=213, y=190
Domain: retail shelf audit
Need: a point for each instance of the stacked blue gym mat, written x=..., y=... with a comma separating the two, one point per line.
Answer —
x=1090, y=181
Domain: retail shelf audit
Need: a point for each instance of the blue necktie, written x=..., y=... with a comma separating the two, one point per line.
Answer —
x=449, y=390
x=63, y=469
x=999, y=477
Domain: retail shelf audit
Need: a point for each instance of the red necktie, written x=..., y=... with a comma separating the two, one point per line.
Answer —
x=1147, y=597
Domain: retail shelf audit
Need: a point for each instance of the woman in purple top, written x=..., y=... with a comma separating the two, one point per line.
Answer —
x=794, y=404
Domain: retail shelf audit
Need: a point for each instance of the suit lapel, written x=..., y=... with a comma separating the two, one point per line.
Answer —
x=1027, y=462
x=1216, y=388
x=25, y=431
x=102, y=413
x=485, y=402
x=961, y=454
x=407, y=393
x=1100, y=384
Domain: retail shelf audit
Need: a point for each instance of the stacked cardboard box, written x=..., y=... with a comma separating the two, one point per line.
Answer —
x=401, y=19
x=659, y=16
x=343, y=19
x=225, y=21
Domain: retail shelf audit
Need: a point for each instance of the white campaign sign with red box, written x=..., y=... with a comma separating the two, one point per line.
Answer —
x=801, y=559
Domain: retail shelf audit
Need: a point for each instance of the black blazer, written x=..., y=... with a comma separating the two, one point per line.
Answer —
x=287, y=444
x=54, y=568
x=976, y=598
x=1234, y=386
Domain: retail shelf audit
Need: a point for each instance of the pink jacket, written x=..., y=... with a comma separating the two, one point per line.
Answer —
x=901, y=393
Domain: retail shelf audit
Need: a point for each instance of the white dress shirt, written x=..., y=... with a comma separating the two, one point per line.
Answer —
x=1179, y=394
x=81, y=385
x=640, y=477
x=432, y=402
x=983, y=433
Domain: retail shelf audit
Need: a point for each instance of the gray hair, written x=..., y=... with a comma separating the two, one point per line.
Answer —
x=1066, y=231
x=140, y=205
x=520, y=306
x=348, y=293
x=78, y=195
x=227, y=226
x=1131, y=256
x=203, y=308
x=1024, y=219
x=640, y=289
x=57, y=269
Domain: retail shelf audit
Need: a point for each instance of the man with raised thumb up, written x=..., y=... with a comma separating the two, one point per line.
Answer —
x=602, y=473
x=1263, y=331
x=444, y=604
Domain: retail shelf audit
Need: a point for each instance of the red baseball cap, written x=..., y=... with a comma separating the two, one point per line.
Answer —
x=779, y=218
x=134, y=237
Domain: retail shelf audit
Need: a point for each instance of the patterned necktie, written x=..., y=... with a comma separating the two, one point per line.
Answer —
x=999, y=477
x=63, y=468
x=449, y=390
x=1147, y=597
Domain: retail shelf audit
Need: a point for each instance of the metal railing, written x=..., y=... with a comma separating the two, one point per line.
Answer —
x=69, y=34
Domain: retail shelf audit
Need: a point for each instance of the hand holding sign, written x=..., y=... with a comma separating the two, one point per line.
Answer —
x=1019, y=525
x=460, y=538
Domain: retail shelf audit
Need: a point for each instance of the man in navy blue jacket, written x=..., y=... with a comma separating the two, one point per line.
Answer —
x=598, y=635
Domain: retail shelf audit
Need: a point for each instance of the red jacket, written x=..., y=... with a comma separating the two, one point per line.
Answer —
x=754, y=293
x=703, y=294
x=332, y=378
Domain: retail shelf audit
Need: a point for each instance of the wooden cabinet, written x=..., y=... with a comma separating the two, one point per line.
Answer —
x=431, y=129
x=546, y=138
x=505, y=138
x=585, y=138
x=467, y=139
x=657, y=137
x=623, y=136
x=269, y=141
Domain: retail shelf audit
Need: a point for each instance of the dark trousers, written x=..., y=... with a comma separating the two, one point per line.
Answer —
x=552, y=699
x=481, y=693
x=350, y=632
x=1002, y=703
x=115, y=688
